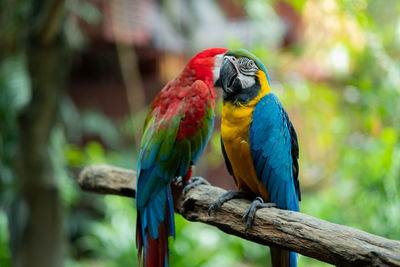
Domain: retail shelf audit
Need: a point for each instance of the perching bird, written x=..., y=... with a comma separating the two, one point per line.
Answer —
x=176, y=131
x=258, y=141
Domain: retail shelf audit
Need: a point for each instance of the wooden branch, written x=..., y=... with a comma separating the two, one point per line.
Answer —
x=316, y=238
x=106, y=179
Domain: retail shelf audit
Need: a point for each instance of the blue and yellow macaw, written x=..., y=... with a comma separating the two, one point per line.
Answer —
x=258, y=141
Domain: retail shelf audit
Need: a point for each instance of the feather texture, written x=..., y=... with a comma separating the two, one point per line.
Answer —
x=271, y=151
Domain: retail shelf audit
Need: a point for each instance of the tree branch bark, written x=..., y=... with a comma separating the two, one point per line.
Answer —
x=336, y=244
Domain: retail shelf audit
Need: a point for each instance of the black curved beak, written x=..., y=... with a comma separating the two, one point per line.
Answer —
x=228, y=77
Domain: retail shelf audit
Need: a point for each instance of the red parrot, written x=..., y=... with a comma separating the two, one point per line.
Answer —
x=176, y=131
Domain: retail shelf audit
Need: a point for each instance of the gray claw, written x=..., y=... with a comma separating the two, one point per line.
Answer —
x=213, y=206
x=224, y=198
x=177, y=180
x=193, y=182
x=251, y=211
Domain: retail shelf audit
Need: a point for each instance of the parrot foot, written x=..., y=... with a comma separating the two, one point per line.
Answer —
x=177, y=180
x=231, y=194
x=258, y=203
x=193, y=182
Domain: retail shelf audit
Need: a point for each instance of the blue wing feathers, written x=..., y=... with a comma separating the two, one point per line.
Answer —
x=170, y=212
x=146, y=187
x=270, y=144
x=153, y=214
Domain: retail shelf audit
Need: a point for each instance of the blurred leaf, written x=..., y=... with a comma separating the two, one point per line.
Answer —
x=85, y=10
x=297, y=4
x=5, y=255
x=96, y=124
x=15, y=81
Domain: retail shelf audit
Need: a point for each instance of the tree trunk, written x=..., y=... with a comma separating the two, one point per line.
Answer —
x=40, y=244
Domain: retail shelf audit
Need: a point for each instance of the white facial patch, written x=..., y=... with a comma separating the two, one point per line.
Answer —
x=218, y=59
x=246, y=70
x=246, y=81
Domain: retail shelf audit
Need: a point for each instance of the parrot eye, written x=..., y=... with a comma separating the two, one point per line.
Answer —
x=247, y=66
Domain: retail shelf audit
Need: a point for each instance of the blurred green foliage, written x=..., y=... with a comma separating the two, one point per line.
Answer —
x=340, y=84
x=14, y=94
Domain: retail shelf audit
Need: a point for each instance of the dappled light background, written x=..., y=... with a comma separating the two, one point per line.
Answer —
x=335, y=65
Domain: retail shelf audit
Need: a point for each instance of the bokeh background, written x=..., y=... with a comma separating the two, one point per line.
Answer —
x=77, y=76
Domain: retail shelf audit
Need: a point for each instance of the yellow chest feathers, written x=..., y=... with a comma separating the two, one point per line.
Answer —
x=235, y=127
x=235, y=122
x=236, y=119
x=235, y=136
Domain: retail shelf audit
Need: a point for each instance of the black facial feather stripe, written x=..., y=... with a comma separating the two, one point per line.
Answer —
x=247, y=66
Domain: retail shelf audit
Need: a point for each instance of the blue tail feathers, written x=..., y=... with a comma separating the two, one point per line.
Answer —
x=155, y=223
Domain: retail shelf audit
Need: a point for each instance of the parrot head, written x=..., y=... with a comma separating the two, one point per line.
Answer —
x=242, y=76
x=206, y=65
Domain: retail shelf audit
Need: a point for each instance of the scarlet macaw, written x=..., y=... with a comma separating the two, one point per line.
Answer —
x=176, y=131
x=258, y=141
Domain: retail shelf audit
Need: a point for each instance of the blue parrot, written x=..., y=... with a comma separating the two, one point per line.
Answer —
x=259, y=143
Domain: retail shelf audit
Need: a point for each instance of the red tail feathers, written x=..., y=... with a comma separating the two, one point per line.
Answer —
x=139, y=238
x=155, y=252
